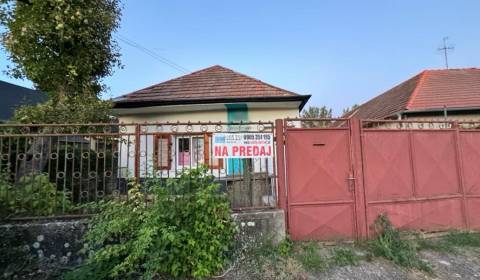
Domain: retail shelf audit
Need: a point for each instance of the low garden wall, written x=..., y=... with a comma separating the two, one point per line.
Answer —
x=51, y=246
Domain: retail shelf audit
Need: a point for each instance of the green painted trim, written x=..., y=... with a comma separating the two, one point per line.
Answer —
x=237, y=112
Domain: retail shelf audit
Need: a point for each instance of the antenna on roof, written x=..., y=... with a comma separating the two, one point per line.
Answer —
x=445, y=50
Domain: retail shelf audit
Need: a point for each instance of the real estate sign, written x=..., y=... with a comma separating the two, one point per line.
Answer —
x=242, y=145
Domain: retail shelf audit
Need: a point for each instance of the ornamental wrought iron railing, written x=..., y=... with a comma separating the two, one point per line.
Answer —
x=74, y=164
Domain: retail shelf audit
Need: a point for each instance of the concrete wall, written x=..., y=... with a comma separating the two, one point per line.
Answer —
x=49, y=246
x=259, y=225
x=40, y=247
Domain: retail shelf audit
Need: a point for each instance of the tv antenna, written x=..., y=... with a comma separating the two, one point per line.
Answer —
x=445, y=49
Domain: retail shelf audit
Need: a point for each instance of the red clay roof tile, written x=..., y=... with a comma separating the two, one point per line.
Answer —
x=215, y=82
x=429, y=90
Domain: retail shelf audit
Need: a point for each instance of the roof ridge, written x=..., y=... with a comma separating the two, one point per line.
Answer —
x=204, y=70
x=169, y=80
x=452, y=69
x=419, y=83
x=258, y=80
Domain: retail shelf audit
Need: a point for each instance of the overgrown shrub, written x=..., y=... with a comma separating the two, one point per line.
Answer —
x=186, y=230
x=285, y=247
x=390, y=245
x=33, y=195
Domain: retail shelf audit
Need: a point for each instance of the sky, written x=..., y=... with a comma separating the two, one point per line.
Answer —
x=340, y=52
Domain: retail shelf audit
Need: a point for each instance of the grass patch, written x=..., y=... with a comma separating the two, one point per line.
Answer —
x=389, y=244
x=450, y=242
x=294, y=260
x=438, y=245
x=343, y=256
x=266, y=260
x=315, y=258
x=308, y=254
x=463, y=239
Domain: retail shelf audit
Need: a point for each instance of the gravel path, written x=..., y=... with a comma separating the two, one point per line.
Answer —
x=463, y=265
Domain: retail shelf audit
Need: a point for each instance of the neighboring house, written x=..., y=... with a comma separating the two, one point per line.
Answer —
x=13, y=96
x=437, y=95
x=214, y=94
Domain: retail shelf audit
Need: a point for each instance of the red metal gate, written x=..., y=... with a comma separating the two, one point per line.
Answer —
x=321, y=201
x=337, y=176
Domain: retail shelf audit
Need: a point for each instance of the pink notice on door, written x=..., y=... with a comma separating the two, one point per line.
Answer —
x=184, y=158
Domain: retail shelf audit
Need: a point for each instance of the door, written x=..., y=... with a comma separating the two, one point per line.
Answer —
x=321, y=203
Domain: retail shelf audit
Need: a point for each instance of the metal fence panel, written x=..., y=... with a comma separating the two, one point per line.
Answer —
x=92, y=162
x=423, y=174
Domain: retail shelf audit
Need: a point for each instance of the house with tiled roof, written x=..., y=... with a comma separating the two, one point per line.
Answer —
x=215, y=94
x=13, y=96
x=452, y=94
x=212, y=94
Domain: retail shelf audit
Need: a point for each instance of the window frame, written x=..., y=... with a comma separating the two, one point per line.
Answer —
x=156, y=153
x=176, y=136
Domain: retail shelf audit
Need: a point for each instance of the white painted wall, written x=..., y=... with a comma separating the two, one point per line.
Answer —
x=127, y=156
x=254, y=115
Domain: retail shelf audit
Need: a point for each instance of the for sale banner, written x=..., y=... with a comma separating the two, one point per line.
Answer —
x=242, y=145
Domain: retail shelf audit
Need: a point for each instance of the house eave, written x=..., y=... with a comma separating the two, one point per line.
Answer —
x=124, y=104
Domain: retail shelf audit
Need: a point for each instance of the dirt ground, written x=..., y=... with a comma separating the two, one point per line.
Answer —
x=465, y=264
x=446, y=266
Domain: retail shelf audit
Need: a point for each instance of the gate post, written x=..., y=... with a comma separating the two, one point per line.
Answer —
x=359, y=190
x=281, y=183
x=458, y=163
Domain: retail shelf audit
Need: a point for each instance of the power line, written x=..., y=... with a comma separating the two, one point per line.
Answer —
x=153, y=54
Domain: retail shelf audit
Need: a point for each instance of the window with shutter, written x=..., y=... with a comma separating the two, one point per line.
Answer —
x=163, y=155
x=191, y=151
x=213, y=163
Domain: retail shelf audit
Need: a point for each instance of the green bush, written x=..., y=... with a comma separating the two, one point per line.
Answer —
x=285, y=247
x=390, y=245
x=186, y=230
x=33, y=195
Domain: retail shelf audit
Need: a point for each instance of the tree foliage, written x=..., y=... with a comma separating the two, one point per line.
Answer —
x=348, y=110
x=314, y=112
x=317, y=112
x=65, y=47
x=34, y=195
x=186, y=231
x=63, y=109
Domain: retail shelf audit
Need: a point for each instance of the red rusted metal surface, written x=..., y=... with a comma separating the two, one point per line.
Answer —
x=320, y=192
x=413, y=176
x=279, y=141
x=359, y=178
x=470, y=159
x=423, y=174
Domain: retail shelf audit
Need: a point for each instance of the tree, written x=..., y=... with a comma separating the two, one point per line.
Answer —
x=317, y=112
x=348, y=110
x=65, y=47
x=314, y=112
